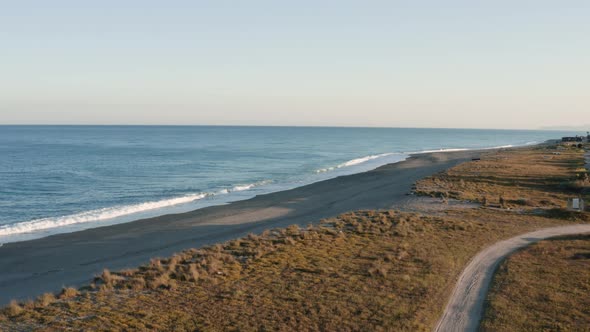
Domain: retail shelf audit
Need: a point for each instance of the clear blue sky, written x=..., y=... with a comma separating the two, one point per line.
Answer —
x=482, y=64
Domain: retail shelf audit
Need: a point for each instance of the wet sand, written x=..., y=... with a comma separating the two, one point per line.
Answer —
x=30, y=268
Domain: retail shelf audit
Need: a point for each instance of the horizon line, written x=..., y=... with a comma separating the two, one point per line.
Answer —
x=277, y=126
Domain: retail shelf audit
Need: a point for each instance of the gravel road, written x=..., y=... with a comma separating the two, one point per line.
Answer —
x=465, y=308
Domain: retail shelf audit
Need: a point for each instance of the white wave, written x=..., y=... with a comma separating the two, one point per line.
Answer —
x=94, y=215
x=113, y=212
x=244, y=187
x=354, y=162
x=467, y=149
x=496, y=147
x=439, y=150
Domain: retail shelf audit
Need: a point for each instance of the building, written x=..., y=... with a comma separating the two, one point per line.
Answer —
x=574, y=139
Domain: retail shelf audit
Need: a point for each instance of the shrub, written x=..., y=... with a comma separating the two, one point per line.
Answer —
x=137, y=283
x=107, y=277
x=104, y=288
x=127, y=273
x=172, y=262
x=29, y=304
x=14, y=309
x=68, y=292
x=193, y=272
x=293, y=230
x=45, y=299
x=162, y=281
x=156, y=263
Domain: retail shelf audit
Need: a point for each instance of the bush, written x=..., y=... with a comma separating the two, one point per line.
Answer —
x=13, y=309
x=137, y=283
x=46, y=299
x=68, y=292
x=193, y=272
x=106, y=277
x=162, y=281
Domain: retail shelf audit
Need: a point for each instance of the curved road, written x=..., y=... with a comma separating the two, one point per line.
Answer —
x=465, y=308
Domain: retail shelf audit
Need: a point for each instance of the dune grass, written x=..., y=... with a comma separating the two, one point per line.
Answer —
x=523, y=179
x=364, y=270
x=544, y=287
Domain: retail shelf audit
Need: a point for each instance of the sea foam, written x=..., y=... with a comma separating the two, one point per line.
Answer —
x=244, y=187
x=98, y=215
x=354, y=162
x=94, y=215
x=467, y=149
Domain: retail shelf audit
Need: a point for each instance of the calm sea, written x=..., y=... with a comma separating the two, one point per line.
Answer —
x=56, y=179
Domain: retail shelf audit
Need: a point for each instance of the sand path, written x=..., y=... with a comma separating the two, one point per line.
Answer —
x=465, y=308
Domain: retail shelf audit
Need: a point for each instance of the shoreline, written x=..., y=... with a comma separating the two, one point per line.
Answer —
x=72, y=259
x=221, y=201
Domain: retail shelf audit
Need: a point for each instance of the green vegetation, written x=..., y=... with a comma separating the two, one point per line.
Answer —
x=365, y=270
x=544, y=287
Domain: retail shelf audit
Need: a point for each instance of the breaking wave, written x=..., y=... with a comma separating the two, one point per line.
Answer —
x=468, y=149
x=94, y=215
x=244, y=187
x=354, y=162
x=113, y=212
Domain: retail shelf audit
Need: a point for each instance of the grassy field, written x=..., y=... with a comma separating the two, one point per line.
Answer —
x=544, y=287
x=522, y=179
x=366, y=270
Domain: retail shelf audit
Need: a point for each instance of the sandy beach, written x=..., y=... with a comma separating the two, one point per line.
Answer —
x=33, y=267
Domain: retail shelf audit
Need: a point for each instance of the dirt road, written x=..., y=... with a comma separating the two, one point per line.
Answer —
x=465, y=308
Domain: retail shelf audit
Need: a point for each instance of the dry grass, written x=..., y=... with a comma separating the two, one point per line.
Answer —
x=544, y=287
x=13, y=309
x=523, y=179
x=68, y=293
x=367, y=270
x=46, y=299
x=363, y=270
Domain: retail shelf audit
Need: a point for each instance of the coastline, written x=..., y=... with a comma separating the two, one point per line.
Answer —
x=44, y=227
x=71, y=259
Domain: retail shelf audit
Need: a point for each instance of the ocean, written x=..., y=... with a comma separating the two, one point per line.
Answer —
x=56, y=179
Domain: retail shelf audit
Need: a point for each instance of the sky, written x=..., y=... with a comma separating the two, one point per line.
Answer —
x=455, y=64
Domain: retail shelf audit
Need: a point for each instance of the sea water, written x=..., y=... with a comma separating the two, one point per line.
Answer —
x=56, y=179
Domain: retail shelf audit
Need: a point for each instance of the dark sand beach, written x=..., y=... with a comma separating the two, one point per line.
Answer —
x=33, y=267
